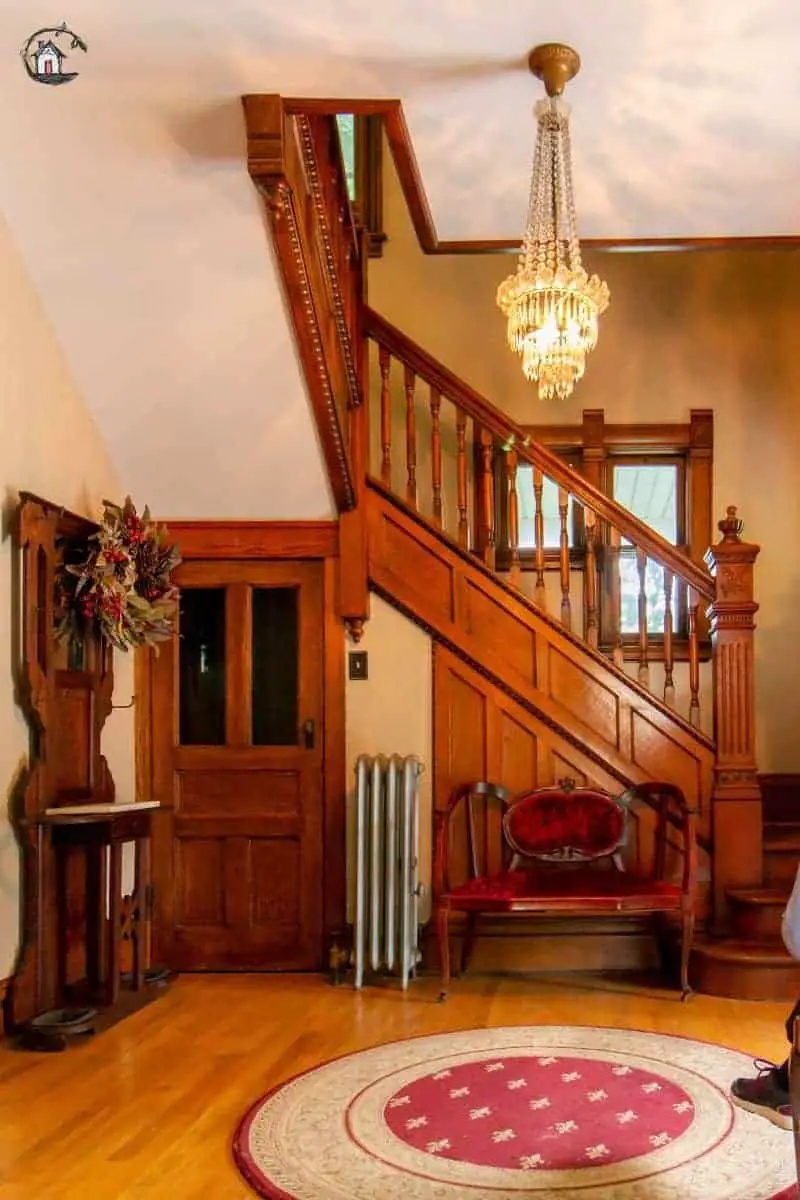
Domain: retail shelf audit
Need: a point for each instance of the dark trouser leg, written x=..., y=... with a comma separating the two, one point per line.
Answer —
x=782, y=1077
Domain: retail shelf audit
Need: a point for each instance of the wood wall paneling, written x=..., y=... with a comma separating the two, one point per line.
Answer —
x=481, y=733
x=421, y=573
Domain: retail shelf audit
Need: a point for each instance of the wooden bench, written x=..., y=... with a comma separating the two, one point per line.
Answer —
x=560, y=851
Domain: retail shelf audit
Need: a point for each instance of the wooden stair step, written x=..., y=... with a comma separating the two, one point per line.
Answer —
x=744, y=970
x=756, y=913
x=781, y=852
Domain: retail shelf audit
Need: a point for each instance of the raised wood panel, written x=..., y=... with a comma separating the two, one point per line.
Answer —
x=486, y=618
x=581, y=693
x=578, y=688
x=276, y=860
x=201, y=793
x=519, y=752
x=424, y=575
x=198, y=864
x=656, y=753
x=481, y=733
x=71, y=740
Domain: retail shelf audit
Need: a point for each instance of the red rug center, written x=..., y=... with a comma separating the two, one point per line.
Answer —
x=550, y=1113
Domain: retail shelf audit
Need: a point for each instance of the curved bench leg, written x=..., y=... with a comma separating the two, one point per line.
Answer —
x=443, y=939
x=687, y=936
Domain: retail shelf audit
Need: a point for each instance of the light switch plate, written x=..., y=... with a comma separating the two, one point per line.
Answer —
x=357, y=664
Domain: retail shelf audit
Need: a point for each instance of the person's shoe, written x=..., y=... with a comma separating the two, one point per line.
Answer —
x=764, y=1095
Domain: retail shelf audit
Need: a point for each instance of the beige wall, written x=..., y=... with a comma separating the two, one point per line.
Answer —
x=391, y=713
x=48, y=445
x=698, y=330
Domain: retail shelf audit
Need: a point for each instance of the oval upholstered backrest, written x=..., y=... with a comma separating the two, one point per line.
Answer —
x=565, y=823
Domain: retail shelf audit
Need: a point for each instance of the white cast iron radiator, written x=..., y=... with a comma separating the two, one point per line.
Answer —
x=386, y=934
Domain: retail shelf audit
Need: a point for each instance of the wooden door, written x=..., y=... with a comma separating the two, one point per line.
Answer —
x=237, y=707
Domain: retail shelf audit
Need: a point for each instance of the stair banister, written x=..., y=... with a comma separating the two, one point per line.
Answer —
x=510, y=433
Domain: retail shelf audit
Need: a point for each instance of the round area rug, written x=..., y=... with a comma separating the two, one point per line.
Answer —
x=540, y=1112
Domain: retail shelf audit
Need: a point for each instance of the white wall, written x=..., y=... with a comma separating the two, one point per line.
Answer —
x=48, y=445
x=391, y=713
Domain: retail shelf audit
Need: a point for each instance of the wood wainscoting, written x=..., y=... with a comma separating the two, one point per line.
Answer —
x=480, y=732
x=249, y=845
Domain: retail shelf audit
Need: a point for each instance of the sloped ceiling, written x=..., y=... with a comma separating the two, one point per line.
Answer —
x=127, y=193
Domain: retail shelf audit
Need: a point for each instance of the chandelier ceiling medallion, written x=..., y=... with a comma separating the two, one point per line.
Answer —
x=552, y=305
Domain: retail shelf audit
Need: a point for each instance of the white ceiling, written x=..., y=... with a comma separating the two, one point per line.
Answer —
x=127, y=193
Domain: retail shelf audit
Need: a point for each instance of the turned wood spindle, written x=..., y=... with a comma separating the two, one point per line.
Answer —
x=411, y=437
x=694, y=660
x=563, y=557
x=513, y=517
x=385, y=360
x=461, y=443
x=487, y=533
x=615, y=590
x=644, y=666
x=590, y=577
x=436, y=454
x=539, y=594
x=669, y=686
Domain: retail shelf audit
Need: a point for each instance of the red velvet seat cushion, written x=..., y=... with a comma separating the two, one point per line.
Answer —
x=587, y=888
x=550, y=823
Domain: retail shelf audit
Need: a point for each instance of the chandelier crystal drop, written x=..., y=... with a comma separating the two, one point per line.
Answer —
x=551, y=304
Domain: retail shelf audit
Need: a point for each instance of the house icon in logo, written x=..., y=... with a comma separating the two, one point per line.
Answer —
x=45, y=53
x=48, y=59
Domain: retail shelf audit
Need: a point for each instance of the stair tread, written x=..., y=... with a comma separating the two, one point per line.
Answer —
x=778, y=842
x=764, y=954
x=765, y=896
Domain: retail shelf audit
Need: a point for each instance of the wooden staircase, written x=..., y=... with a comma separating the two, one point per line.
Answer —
x=426, y=473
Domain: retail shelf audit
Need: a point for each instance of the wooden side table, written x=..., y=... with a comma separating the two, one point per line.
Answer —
x=100, y=830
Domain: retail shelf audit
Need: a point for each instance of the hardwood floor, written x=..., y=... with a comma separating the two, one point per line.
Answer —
x=148, y=1109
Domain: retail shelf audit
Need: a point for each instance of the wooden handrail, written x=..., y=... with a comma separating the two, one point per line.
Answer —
x=511, y=434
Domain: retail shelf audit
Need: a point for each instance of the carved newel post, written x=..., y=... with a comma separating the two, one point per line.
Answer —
x=736, y=799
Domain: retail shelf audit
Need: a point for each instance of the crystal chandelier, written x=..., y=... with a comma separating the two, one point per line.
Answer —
x=552, y=305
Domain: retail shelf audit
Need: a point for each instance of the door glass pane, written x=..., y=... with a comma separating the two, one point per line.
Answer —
x=275, y=666
x=202, y=667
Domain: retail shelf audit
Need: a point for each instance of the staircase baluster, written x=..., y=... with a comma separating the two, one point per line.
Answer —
x=644, y=666
x=566, y=606
x=590, y=577
x=539, y=594
x=694, y=660
x=669, y=686
x=411, y=438
x=487, y=534
x=513, y=518
x=461, y=440
x=385, y=360
x=617, y=655
x=436, y=454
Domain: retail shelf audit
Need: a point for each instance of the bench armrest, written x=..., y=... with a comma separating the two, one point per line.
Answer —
x=672, y=809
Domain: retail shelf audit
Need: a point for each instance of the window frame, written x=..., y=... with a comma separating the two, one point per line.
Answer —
x=593, y=448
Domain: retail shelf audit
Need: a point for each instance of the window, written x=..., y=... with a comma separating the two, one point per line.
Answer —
x=551, y=517
x=347, y=137
x=361, y=139
x=661, y=472
x=652, y=491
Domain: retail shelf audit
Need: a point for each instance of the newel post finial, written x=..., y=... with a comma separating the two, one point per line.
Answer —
x=736, y=795
x=730, y=526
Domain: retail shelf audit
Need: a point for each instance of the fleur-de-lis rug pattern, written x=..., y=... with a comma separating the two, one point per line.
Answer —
x=518, y=1113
